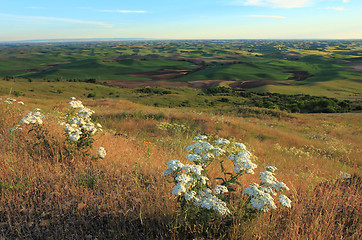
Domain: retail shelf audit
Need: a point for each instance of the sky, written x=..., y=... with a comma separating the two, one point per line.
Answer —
x=180, y=19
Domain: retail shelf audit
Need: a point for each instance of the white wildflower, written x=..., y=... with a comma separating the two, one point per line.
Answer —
x=202, y=153
x=222, y=141
x=344, y=174
x=76, y=104
x=184, y=178
x=220, y=189
x=168, y=171
x=101, y=152
x=207, y=157
x=197, y=169
x=85, y=113
x=32, y=118
x=218, y=151
x=261, y=200
x=75, y=135
x=244, y=155
x=90, y=127
x=16, y=127
x=267, y=177
x=261, y=196
x=179, y=189
x=285, y=201
x=174, y=165
x=190, y=195
x=280, y=186
x=241, y=146
x=205, y=199
x=271, y=168
x=232, y=157
x=203, y=179
x=9, y=101
x=257, y=203
x=200, y=137
x=81, y=123
x=193, y=157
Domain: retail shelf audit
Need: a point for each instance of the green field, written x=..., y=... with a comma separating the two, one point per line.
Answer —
x=326, y=68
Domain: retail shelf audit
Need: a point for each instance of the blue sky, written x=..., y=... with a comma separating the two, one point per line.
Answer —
x=180, y=19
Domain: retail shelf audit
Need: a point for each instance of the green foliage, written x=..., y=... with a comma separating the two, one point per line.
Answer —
x=43, y=140
x=88, y=179
x=15, y=184
x=172, y=127
x=158, y=91
x=216, y=90
x=91, y=95
x=290, y=103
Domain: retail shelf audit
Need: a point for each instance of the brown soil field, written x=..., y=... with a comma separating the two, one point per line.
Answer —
x=163, y=74
x=139, y=84
x=54, y=64
x=356, y=67
x=201, y=84
x=254, y=84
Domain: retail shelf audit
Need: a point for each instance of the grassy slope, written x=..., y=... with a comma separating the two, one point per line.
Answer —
x=96, y=68
x=340, y=89
x=243, y=71
x=126, y=196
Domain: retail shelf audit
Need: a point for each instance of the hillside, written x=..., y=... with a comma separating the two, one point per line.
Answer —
x=49, y=191
x=212, y=139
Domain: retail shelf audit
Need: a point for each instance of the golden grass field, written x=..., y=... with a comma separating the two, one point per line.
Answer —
x=47, y=193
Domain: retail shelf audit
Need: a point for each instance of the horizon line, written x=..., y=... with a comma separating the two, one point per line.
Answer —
x=161, y=39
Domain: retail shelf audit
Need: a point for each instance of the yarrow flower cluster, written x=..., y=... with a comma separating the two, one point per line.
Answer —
x=206, y=199
x=191, y=180
x=203, y=152
x=33, y=117
x=81, y=124
x=242, y=162
x=262, y=195
x=79, y=128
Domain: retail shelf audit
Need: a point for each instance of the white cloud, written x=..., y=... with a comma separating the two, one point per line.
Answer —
x=275, y=3
x=336, y=8
x=124, y=11
x=265, y=16
x=345, y=1
x=103, y=24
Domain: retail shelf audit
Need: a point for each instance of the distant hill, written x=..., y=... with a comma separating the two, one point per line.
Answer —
x=75, y=40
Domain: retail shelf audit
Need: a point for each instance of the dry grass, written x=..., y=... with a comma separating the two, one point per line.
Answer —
x=47, y=193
